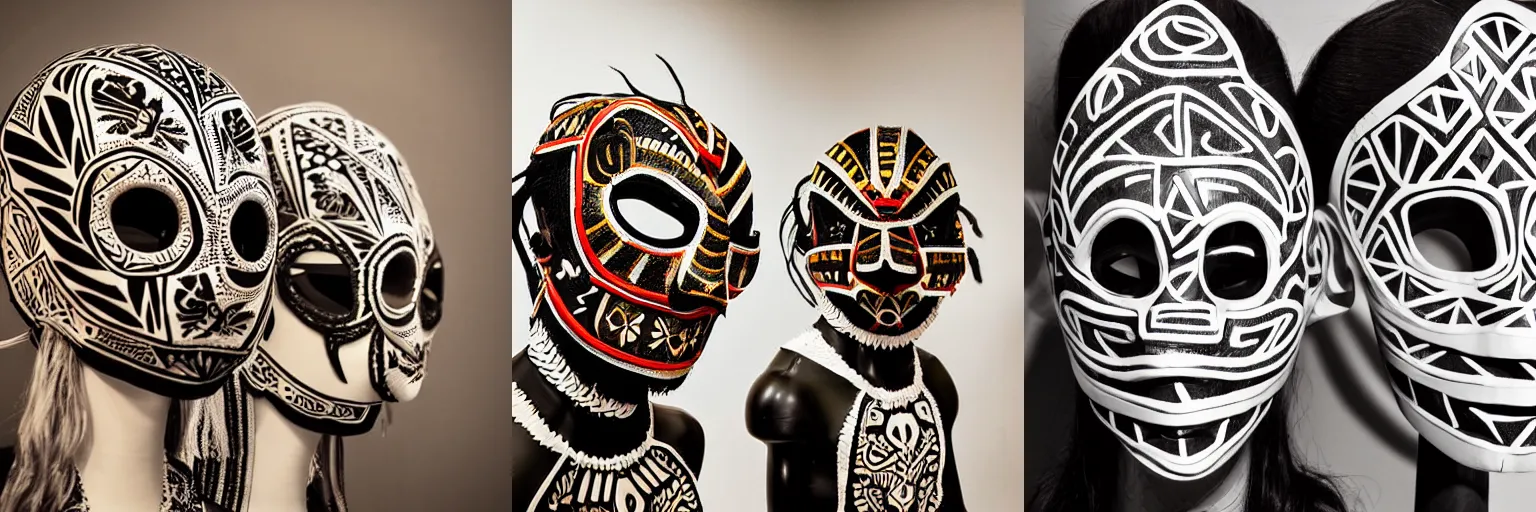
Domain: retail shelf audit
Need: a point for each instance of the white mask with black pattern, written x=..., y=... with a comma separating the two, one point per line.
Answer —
x=1450, y=153
x=1181, y=236
x=138, y=216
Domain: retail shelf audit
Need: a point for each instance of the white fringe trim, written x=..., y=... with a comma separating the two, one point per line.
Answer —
x=525, y=414
x=546, y=357
x=810, y=345
x=840, y=322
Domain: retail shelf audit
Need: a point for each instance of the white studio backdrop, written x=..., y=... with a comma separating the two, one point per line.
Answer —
x=1344, y=419
x=785, y=80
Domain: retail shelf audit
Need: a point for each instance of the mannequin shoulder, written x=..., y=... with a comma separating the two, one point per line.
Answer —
x=939, y=382
x=781, y=398
x=682, y=432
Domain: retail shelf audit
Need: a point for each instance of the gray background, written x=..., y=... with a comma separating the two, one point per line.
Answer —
x=434, y=77
x=1345, y=420
x=785, y=80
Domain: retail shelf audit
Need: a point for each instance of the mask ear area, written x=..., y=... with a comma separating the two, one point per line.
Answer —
x=1338, y=281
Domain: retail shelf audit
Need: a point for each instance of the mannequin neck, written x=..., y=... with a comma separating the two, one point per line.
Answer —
x=891, y=368
x=122, y=464
x=586, y=432
x=281, y=458
x=1145, y=491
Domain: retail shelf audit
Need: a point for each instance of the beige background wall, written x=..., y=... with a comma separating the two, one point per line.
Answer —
x=786, y=80
x=433, y=76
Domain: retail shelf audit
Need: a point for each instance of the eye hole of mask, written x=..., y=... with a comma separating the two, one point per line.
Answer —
x=941, y=226
x=324, y=281
x=654, y=212
x=398, y=283
x=1236, y=264
x=1124, y=259
x=1453, y=234
x=145, y=219
x=432, y=294
x=829, y=224
x=248, y=231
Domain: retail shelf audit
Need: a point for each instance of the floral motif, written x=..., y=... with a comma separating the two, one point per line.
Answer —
x=132, y=112
x=333, y=204
x=202, y=316
x=625, y=324
x=677, y=337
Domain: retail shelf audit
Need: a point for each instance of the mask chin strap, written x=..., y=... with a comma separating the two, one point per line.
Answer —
x=304, y=405
x=220, y=429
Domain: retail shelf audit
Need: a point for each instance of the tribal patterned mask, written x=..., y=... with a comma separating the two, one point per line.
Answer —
x=1450, y=152
x=138, y=216
x=356, y=256
x=645, y=230
x=1182, y=242
x=873, y=238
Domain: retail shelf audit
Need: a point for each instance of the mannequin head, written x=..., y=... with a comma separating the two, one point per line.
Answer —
x=1429, y=164
x=138, y=232
x=641, y=233
x=1181, y=230
x=359, y=275
x=359, y=281
x=873, y=238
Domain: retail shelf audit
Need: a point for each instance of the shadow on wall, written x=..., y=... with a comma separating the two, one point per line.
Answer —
x=1049, y=386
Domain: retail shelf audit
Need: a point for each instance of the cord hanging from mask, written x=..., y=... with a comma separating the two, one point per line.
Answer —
x=790, y=225
x=682, y=96
x=970, y=252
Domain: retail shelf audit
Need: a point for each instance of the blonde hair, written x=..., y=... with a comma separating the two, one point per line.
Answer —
x=54, y=426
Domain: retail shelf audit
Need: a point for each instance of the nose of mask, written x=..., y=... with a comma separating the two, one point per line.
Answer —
x=889, y=280
x=682, y=301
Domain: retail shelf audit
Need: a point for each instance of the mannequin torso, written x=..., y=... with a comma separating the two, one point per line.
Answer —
x=675, y=432
x=798, y=408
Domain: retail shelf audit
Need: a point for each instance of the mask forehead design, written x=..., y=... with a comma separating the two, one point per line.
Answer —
x=1452, y=148
x=873, y=237
x=138, y=216
x=660, y=235
x=1174, y=158
x=345, y=192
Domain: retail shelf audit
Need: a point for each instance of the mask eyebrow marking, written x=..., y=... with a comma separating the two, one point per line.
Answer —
x=1208, y=190
x=1137, y=179
x=1233, y=249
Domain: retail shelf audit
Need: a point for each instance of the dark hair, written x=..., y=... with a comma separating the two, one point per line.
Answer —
x=1361, y=64
x=1086, y=480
